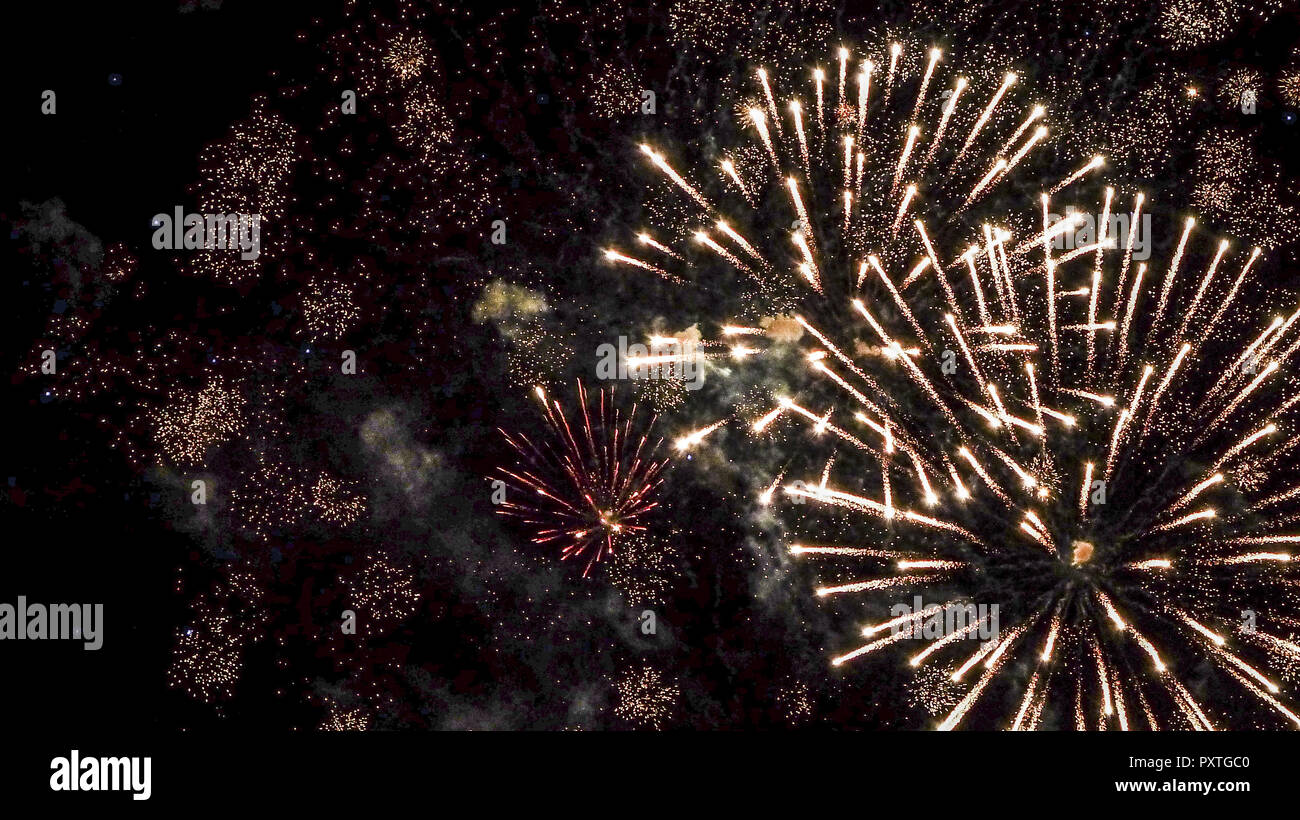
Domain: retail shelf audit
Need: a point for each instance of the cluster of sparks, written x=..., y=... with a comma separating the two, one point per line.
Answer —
x=385, y=592
x=645, y=697
x=589, y=483
x=1111, y=434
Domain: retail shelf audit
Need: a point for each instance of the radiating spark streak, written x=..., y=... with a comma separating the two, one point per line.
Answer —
x=1120, y=709
x=740, y=240
x=956, y=635
x=930, y=498
x=809, y=267
x=1235, y=449
x=1267, y=698
x=1007, y=82
x=1252, y=558
x=935, y=54
x=729, y=168
x=760, y=124
x=1200, y=515
x=909, y=366
x=910, y=618
x=930, y=564
x=879, y=583
x=1164, y=384
x=1191, y=709
x=1245, y=356
x=1113, y=451
x=969, y=256
x=944, y=118
x=895, y=51
x=1051, y=230
x=1217, y=478
x=1102, y=224
x=693, y=438
x=761, y=424
x=1035, y=114
x=992, y=667
x=771, y=101
x=1285, y=495
x=1213, y=636
x=615, y=256
x=1095, y=162
x=1040, y=537
x=965, y=349
x=898, y=299
x=916, y=271
x=992, y=390
x=709, y=242
x=1147, y=370
x=848, y=161
x=1232, y=295
x=844, y=62
x=1150, y=564
x=1008, y=347
x=662, y=165
x=938, y=267
x=1085, y=488
x=1173, y=271
x=1091, y=327
x=819, y=77
x=1064, y=418
x=871, y=647
x=1265, y=539
x=646, y=239
x=1104, y=401
x=994, y=172
x=912, y=133
x=1128, y=313
x=864, y=94
x=908, y=193
x=1200, y=291
x=1133, y=223
x=983, y=474
x=1108, y=708
x=1241, y=397
x=852, y=552
x=1039, y=134
x=1053, y=630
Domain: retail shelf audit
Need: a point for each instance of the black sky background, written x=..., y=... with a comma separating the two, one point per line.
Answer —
x=82, y=526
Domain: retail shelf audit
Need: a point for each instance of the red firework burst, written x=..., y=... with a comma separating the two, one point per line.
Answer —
x=589, y=482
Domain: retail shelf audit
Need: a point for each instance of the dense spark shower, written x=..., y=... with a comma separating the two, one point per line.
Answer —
x=591, y=483
x=989, y=392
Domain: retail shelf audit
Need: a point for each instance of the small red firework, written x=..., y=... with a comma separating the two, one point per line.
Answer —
x=589, y=482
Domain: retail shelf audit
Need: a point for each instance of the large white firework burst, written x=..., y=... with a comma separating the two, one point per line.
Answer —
x=977, y=412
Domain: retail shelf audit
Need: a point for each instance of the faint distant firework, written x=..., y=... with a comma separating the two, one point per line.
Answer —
x=644, y=567
x=1241, y=190
x=193, y=422
x=795, y=701
x=645, y=698
x=592, y=481
x=343, y=718
x=385, y=591
x=207, y=658
x=1187, y=24
x=249, y=172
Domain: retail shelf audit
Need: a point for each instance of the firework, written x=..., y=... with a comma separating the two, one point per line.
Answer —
x=995, y=405
x=589, y=483
x=645, y=698
x=385, y=592
x=643, y=568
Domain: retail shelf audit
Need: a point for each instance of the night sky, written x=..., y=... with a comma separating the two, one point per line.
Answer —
x=372, y=491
